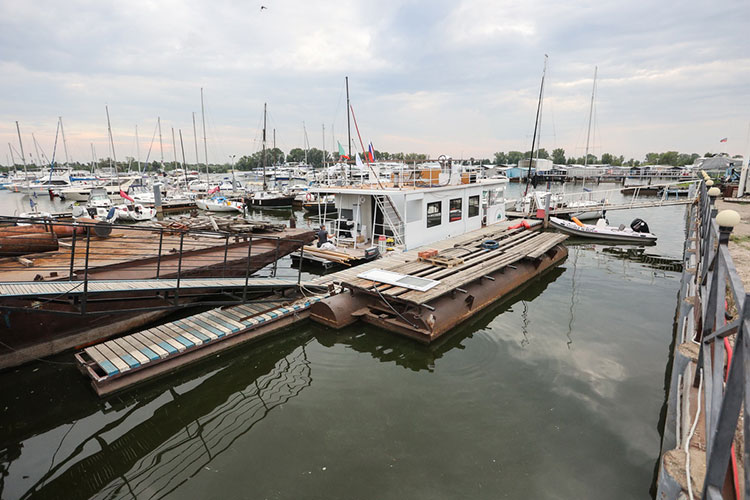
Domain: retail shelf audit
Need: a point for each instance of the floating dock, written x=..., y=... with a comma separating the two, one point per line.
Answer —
x=468, y=273
x=94, y=287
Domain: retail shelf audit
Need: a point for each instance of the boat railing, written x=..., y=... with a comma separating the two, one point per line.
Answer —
x=714, y=313
x=214, y=256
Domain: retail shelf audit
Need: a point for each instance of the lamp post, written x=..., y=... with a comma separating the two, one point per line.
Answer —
x=726, y=219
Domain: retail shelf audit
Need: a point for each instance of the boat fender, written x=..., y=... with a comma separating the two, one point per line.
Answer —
x=309, y=197
x=578, y=223
x=490, y=244
x=521, y=224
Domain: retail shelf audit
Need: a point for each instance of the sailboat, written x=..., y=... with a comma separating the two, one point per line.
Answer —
x=267, y=198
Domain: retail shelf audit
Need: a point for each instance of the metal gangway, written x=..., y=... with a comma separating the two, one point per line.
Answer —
x=100, y=268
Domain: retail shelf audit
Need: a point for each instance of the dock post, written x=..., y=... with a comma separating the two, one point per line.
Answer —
x=179, y=270
x=547, y=200
x=72, y=254
x=157, y=201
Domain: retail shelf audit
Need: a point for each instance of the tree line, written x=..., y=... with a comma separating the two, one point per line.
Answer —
x=673, y=158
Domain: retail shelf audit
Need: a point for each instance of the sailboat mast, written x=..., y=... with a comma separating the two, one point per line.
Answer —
x=174, y=149
x=112, y=145
x=137, y=150
x=65, y=143
x=324, y=145
x=184, y=166
x=536, y=123
x=93, y=158
x=20, y=143
x=195, y=139
x=161, y=144
x=263, y=154
x=205, y=143
x=348, y=128
x=591, y=111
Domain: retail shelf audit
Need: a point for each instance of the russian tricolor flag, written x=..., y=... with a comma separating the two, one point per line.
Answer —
x=371, y=152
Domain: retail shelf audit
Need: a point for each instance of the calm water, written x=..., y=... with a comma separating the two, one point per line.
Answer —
x=553, y=393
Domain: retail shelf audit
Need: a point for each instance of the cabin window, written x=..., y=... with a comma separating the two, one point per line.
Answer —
x=455, y=210
x=473, y=206
x=434, y=214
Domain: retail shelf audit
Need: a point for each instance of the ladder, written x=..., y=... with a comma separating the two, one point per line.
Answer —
x=391, y=218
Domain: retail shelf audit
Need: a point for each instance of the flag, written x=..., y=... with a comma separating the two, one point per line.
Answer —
x=371, y=152
x=125, y=196
x=213, y=190
x=359, y=162
x=341, y=152
x=723, y=140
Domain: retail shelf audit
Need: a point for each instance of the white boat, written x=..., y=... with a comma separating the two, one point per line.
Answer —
x=219, y=204
x=99, y=207
x=417, y=207
x=601, y=231
x=134, y=212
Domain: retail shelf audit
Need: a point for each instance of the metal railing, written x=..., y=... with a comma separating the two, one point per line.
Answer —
x=179, y=254
x=724, y=319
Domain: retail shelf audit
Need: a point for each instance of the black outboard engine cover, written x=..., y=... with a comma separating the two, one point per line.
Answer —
x=639, y=226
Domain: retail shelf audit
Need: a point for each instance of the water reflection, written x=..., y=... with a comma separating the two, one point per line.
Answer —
x=156, y=444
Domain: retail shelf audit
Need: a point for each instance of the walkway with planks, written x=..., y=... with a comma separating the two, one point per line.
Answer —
x=61, y=289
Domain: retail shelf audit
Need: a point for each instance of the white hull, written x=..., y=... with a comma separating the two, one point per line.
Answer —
x=602, y=232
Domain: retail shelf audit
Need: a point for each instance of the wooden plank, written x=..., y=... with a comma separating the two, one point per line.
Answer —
x=219, y=323
x=113, y=358
x=165, y=346
x=228, y=318
x=176, y=335
x=122, y=353
x=106, y=365
x=142, y=358
x=150, y=344
x=166, y=337
x=229, y=311
x=189, y=325
x=149, y=353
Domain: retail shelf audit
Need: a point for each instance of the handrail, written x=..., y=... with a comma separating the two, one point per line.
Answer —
x=216, y=242
x=726, y=393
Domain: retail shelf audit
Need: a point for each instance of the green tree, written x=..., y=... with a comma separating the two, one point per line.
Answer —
x=501, y=158
x=669, y=158
x=608, y=159
x=558, y=156
x=514, y=157
x=652, y=158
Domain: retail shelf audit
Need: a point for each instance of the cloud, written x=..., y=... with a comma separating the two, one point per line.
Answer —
x=444, y=77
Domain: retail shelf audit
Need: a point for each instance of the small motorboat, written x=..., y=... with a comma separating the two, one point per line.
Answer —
x=134, y=212
x=269, y=199
x=99, y=207
x=219, y=204
x=638, y=231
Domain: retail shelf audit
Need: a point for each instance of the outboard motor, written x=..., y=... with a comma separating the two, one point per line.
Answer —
x=639, y=226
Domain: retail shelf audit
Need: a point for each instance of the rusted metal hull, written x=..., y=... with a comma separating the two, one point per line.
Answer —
x=427, y=322
x=39, y=329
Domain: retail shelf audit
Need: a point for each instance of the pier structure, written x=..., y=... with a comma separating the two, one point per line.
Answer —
x=468, y=273
x=704, y=445
x=111, y=279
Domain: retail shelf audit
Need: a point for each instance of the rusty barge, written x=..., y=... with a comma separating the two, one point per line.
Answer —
x=469, y=275
x=36, y=323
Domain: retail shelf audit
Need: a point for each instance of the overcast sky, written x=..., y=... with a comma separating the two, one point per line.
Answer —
x=459, y=78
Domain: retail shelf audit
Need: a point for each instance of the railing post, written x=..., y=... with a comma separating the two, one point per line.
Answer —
x=179, y=271
x=86, y=271
x=247, y=269
x=226, y=250
x=72, y=254
x=276, y=255
x=301, y=259
x=158, y=258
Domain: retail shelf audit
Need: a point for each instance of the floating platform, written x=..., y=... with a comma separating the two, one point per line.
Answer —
x=132, y=359
x=487, y=273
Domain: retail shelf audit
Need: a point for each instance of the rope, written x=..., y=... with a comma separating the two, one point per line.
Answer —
x=394, y=310
x=690, y=436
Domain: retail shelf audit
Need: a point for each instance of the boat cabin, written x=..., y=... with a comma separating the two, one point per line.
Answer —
x=418, y=206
